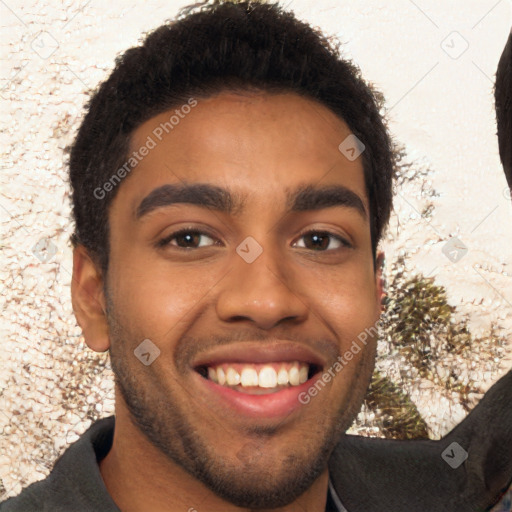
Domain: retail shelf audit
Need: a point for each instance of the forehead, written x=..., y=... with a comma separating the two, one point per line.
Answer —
x=255, y=143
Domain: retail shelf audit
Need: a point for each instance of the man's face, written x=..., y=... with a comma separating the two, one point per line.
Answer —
x=212, y=309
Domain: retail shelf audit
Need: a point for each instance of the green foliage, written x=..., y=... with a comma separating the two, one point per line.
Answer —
x=398, y=417
x=419, y=321
x=435, y=344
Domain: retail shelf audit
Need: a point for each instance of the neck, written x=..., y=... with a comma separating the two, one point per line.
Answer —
x=138, y=476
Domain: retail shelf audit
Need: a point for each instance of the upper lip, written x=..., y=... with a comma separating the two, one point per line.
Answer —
x=259, y=352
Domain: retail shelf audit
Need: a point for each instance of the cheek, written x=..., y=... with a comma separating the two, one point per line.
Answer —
x=155, y=300
x=350, y=303
x=350, y=308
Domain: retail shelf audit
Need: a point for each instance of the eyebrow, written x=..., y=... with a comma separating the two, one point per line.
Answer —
x=303, y=198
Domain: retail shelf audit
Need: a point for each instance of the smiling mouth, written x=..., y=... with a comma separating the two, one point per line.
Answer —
x=257, y=378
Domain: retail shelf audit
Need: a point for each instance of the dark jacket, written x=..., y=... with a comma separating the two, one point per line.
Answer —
x=404, y=476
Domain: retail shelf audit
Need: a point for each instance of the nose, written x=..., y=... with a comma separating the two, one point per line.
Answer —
x=264, y=292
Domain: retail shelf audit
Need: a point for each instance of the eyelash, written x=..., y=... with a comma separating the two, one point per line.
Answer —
x=164, y=242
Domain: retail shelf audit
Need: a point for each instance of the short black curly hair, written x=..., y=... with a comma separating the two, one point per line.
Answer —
x=221, y=47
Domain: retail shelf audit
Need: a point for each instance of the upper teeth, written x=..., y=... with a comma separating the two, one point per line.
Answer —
x=263, y=376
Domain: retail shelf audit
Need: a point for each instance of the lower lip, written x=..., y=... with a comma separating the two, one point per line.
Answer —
x=269, y=406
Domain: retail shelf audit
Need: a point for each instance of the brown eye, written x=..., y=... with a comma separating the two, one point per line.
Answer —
x=187, y=239
x=322, y=241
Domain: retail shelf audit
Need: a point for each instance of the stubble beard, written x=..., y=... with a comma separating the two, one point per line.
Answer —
x=246, y=482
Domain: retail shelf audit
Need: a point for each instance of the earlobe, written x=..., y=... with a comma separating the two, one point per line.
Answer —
x=88, y=300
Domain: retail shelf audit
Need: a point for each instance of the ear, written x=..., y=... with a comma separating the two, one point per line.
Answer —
x=88, y=300
x=380, y=282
